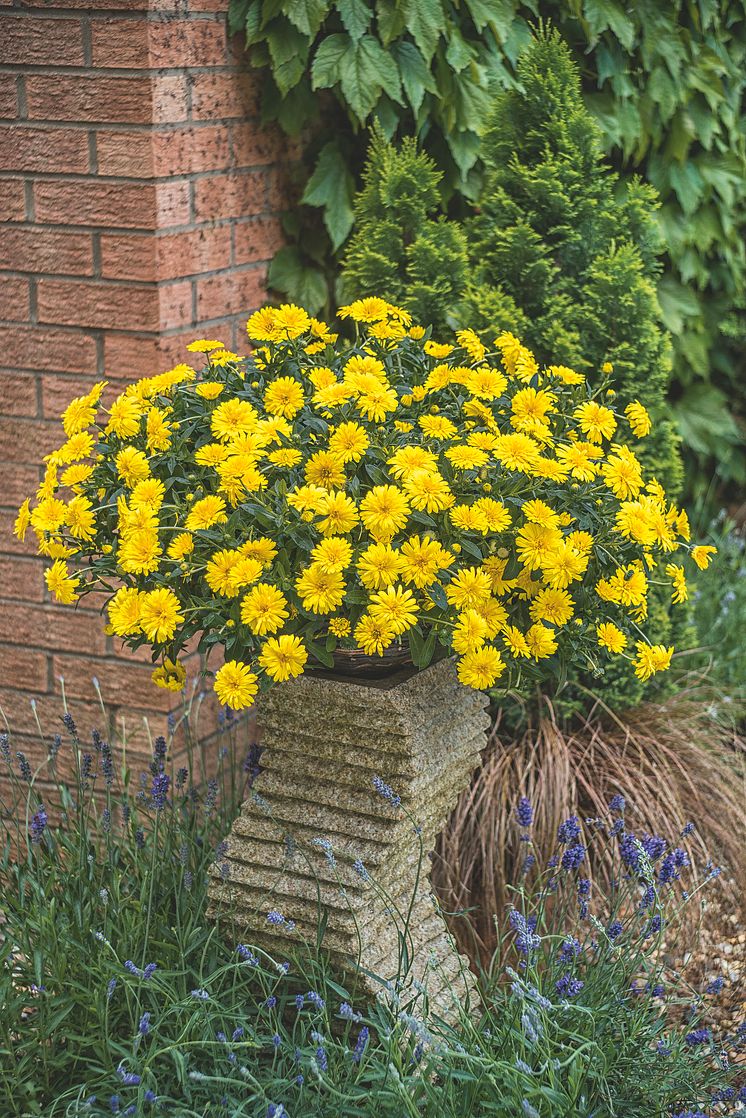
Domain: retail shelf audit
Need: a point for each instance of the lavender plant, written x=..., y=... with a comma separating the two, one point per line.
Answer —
x=119, y=996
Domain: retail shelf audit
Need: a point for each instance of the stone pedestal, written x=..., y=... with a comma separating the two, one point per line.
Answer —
x=316, y=837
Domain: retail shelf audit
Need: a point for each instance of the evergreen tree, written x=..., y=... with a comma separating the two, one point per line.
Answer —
x=400, y=241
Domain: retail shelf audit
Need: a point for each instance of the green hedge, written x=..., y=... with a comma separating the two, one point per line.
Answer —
x=665, y=80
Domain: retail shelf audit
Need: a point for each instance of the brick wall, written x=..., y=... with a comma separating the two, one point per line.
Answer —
x=139, y=201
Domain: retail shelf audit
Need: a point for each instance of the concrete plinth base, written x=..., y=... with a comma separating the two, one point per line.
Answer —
x=317, y=837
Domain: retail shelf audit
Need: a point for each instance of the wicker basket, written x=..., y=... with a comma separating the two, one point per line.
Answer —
x=355, y=662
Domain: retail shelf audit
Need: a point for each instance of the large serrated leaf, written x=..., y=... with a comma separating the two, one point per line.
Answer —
x=326, y=62
x=332, y=186
x=355, y=16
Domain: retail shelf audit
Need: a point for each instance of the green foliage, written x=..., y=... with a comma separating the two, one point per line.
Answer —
x=665, y=81
x=400, y=245
x=118, y=994
x=720, y=613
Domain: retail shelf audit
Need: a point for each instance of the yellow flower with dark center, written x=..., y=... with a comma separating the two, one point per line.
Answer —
x=320, y=591
x=171, y=675
x=482, y=668
x=283, y=657
x=325, y=469
x=236, y=685
x=373, y=634
x=384, y=511
x=395, y=607
x=264, y=609
x=160, y=613
x=610, y=637
x=61, y=583
x=262, y=326
x=284, y=397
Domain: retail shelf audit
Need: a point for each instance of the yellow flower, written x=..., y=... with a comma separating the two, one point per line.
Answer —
x=567, y=376
x=437, y=349
x=610, y=637
x=481, y=668
x=332, y=554
x=379, y=565
x=204, y=345
x=235, y=685
x=340, y=627
x=225, y=570
x=540, y=641
x=160, y=613
x=124, y=417
x=132, y=466
x=407, y=459
x=349, y=442
x=469, y=341
x=81, y=519
x=263, y=609
x=320, y=591
x=437, y=427
x=468, y=518
x=339, y=513
x=284, y=397
x=61, y=583
x=486, y=383
x=538, y=512
x=535, y=543
x=517, y=452
x=211, y=454
x=77, y=447
x=469, y=588
x=515, y=642
x=497, y=517
x=262, y=326
x=530, y=408
x=139, y=553
x=595, y=421
x=422, y=559
x=395, y=607
x=75, y=475
x=210, y=510
x=24, y=519
x=283, y=657
x=639, y=420
x=171, y=675
x=326, y=470
x=563, y=565
x=470, y=632
x=701, y=554
x=576, y=458
x=181, y=546
x=49, y=515
x=384, y=511
x=373, y=634
x=209, y=389
x=148, y=493
x=262, y=549
x=622, y=473
x=678, y=578
x=371, y=309
x=286, y=456
x=427, y=491
x=232, y=418
x=554, y=606
x=376, y=401
x=651, y=658
x=79, y=414
x=291, y=321
x=466, y=457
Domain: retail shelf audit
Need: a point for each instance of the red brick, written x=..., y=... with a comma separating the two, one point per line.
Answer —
x=129, y=356
x=121, y=100
x=129, y=205
x=8, y=96
x=57, y=391
x=59, y=628
x=208, y=5
x=193, y=251
x=126, y=154
x=28, y=670
x=98, y=305
x=12, y=199
x=49, y=710
x=36, y=41
x=43, y=149
x=22, y=579
x=128, y=256
x=253, y=146
x=18, y=396
x=45, y=250
x=120, y=43
x=172, y=204
x=186, y=43
x=26, y=441
x=14, y=299
x=258, y=239
x=33, y=347
x=234, y=195
x=282, y=189
x=222, y=96
x=122, y=683
x=229, y=293
x=191, y=150
x=170, y=100
x=16, y=484
x=175, y=303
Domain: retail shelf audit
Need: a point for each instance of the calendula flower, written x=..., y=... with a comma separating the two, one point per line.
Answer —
x=205, y=513
x=320, y=591
x=61, y=583
x=374, y=634
x=651, y=658
x=283, y=657
x=639, y=420
x=284, y=396
x=380, y=565
x=702, y=555
x=678, y=578
x=541, y=641
x=610, y=637
x=384, y=511
x=264, y=609
x=482, y=668
x=160, y=613
x=236, y=685
x=595, y=421
x=171, y=675
x=395, y=607
x=124, y=611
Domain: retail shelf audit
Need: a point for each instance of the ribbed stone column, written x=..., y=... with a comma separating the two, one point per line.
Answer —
x=314, y=816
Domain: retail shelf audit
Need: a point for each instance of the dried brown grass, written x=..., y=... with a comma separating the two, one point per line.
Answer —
x=673, y=761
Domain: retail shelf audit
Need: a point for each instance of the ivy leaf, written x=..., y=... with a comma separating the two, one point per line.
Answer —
x=606, y=15
x=307, y=15
x=458, y=52
x=365, y=70
x=302, y=284
x=326, y=63
x=390, y=20
x=289, y=52
x=332, y=186
x=416, y=78
x=355, y=16
x=424, y=21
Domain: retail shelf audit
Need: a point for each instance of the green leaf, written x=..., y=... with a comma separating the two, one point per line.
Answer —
x=307, y=15
x=332, y=186
x=458, y=52
x=288, y=49
x=327, y=60
x=355, y=16
x=365, y=70
x=302, y=284
x=605, y=15
x=390, y=20
x=415, y=76
x=319, y=653
x=422, y=649
x=424, y=21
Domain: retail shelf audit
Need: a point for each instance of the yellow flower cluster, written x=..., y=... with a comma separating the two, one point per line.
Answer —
x=326, y=494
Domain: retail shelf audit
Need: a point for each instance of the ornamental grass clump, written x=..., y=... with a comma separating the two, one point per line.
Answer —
x=393, y=490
